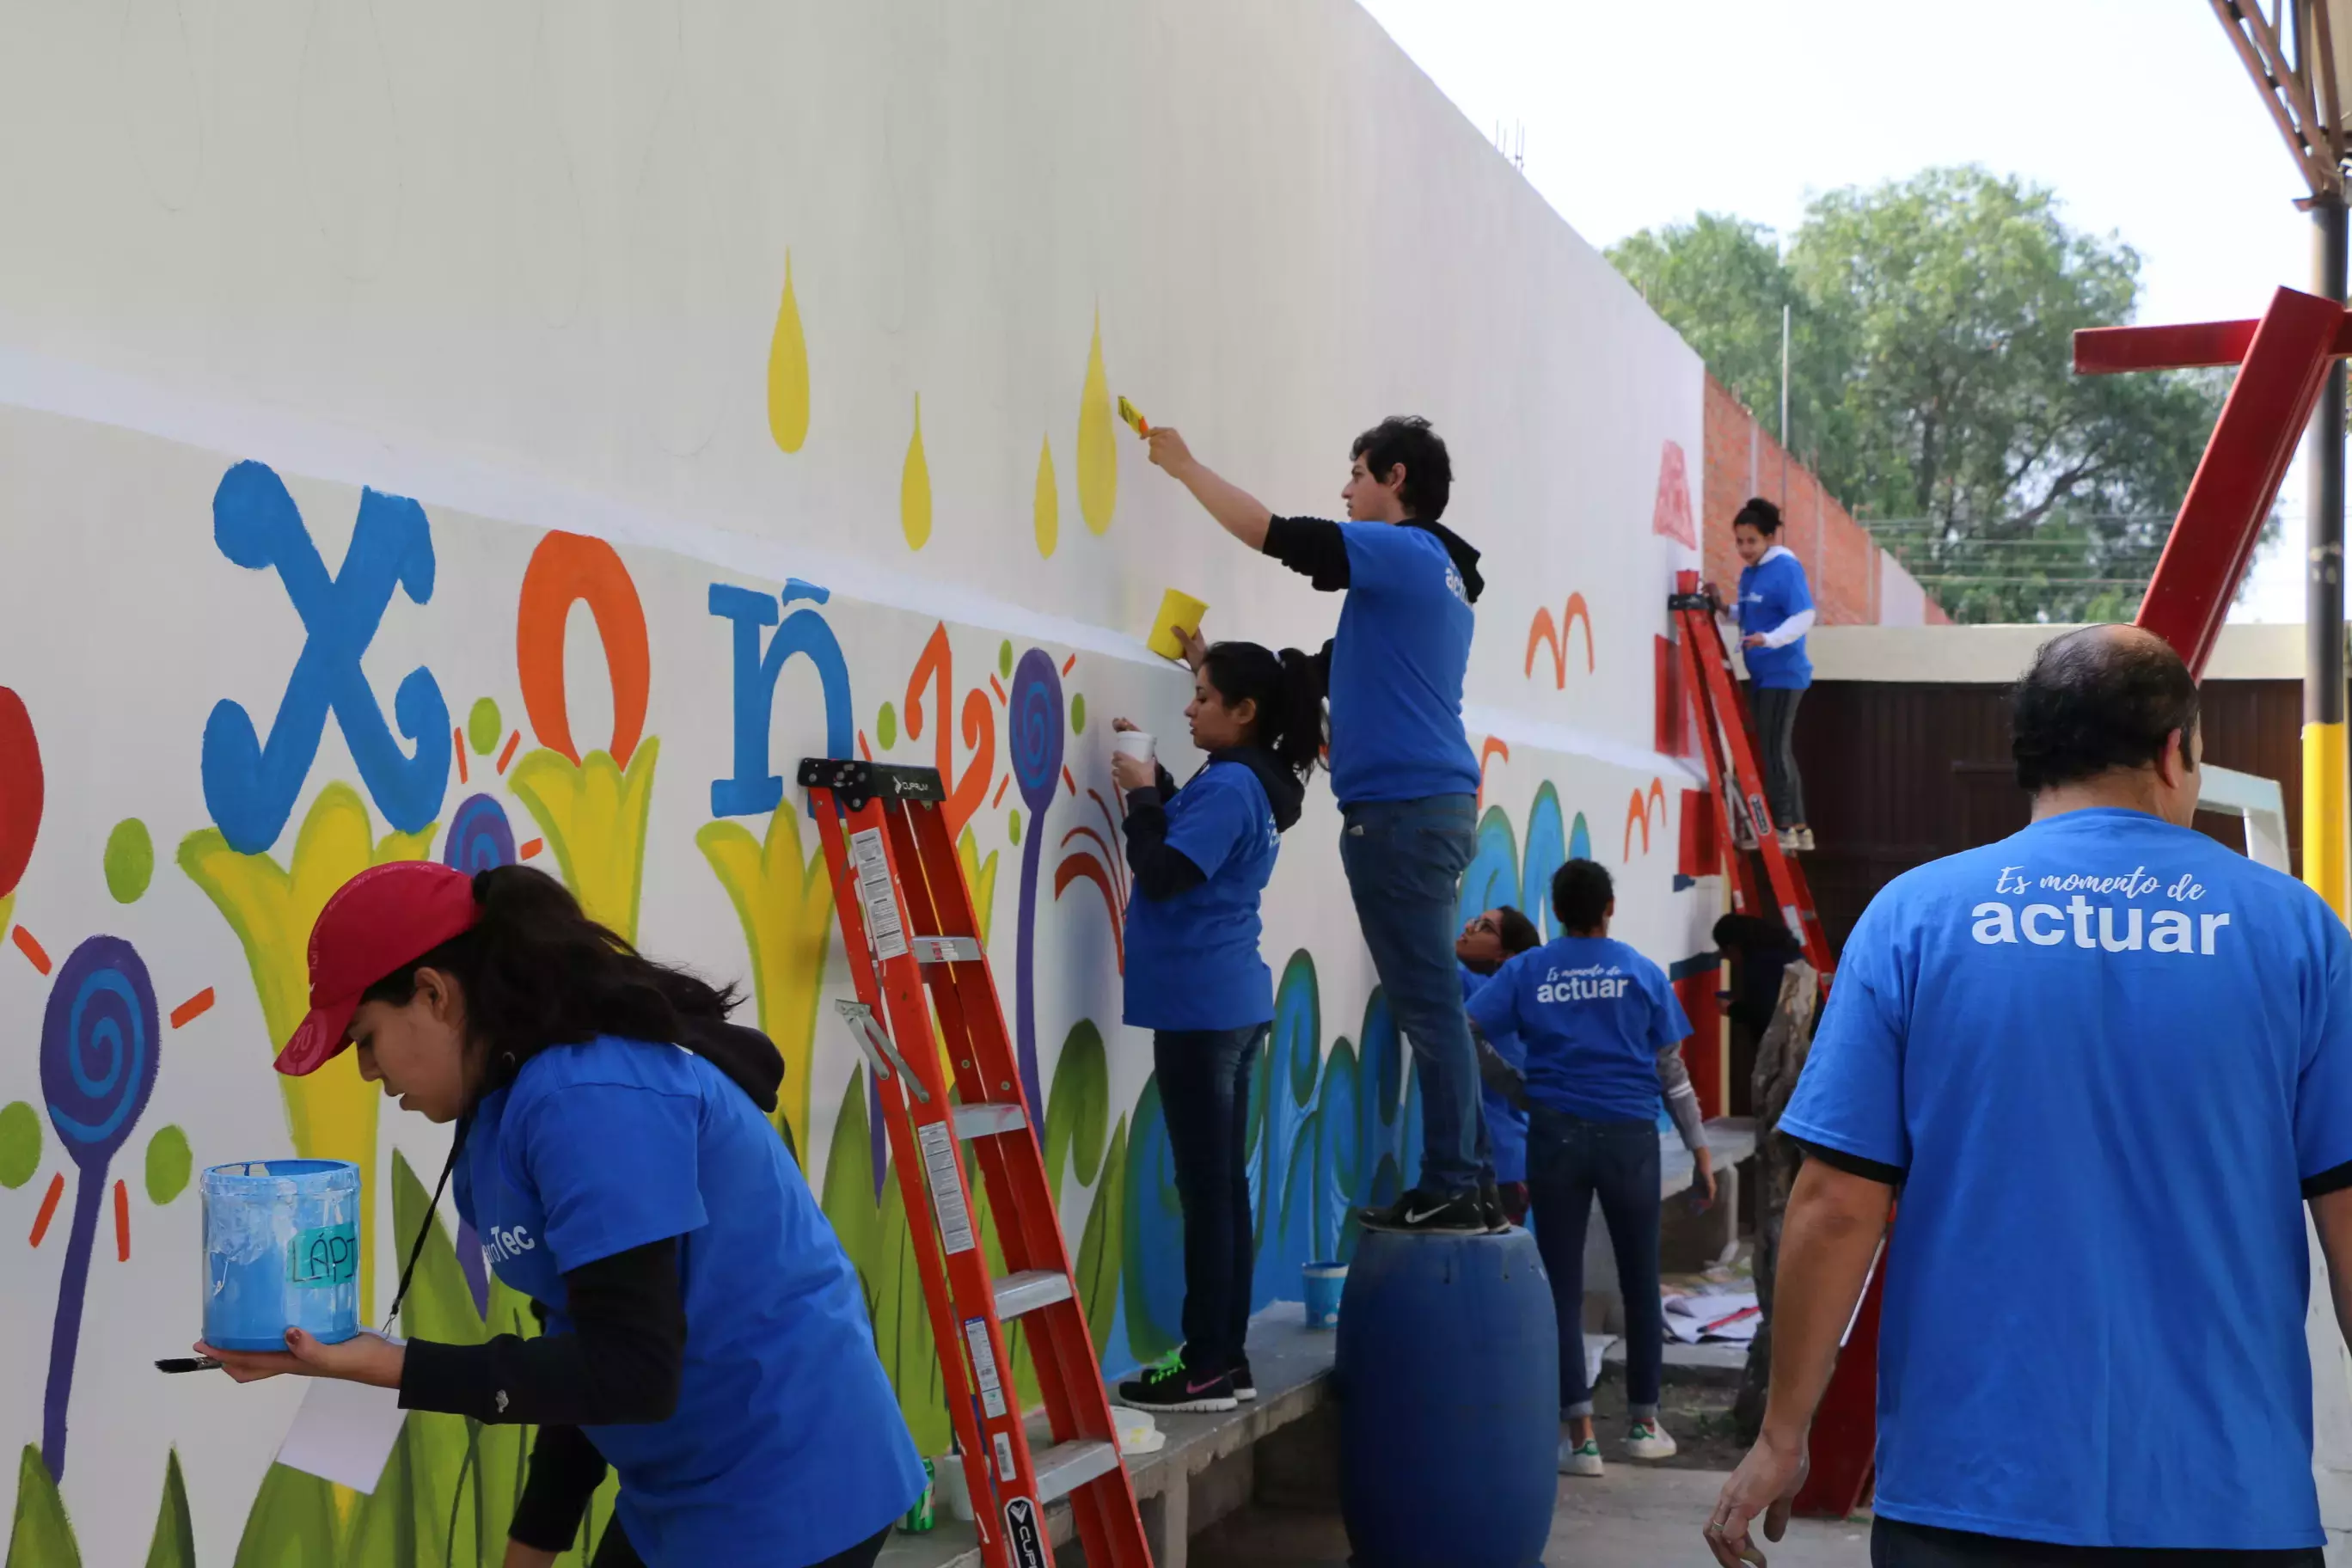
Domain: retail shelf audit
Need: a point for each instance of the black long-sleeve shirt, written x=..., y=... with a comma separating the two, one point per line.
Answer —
x=619, y=1365
x=1160, y=872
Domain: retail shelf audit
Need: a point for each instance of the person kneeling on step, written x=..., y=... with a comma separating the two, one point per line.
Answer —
x=1201, y=856
x=1603, y=1032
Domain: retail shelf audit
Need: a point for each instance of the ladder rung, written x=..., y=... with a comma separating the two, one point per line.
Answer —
x=1066, y=1466
x=1028, y=1290
x=946, y=949
x=988, y=1117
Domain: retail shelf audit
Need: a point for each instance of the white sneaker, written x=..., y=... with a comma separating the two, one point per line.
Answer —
x=1791, y=844
x=1579, y=1458
x=1805, y=840
x=1648, y=1440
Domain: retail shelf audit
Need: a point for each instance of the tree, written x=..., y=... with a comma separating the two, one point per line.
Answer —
x=1932, y=385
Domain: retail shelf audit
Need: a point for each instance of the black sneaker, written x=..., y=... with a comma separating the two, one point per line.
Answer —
x=1417, y=1210
x=1172, y=1385
x=1244, y=1386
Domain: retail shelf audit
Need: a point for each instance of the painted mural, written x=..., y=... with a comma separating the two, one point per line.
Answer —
x=679, y=452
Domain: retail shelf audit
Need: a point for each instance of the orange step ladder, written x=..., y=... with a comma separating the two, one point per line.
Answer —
x=1843, y=1445
x=907, y=922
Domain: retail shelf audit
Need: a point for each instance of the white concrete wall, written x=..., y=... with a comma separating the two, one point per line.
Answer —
x=676, y=278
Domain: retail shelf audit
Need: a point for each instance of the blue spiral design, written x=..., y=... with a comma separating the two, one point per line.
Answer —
x=98, y=1048
x=1035, y=716
x=479, y=836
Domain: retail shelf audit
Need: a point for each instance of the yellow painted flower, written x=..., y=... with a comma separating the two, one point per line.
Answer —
x=594, y=815
x=331, y=1112
x=784, y=898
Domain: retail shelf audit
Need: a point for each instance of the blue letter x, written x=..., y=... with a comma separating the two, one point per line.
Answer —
x=250, y=788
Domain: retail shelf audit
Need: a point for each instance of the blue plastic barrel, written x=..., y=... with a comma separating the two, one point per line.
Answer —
x=1448, y=1386
x=281, y=1250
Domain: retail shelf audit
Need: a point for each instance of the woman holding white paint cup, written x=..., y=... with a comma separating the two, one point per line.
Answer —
x=706, y=1336
x=1201, y=856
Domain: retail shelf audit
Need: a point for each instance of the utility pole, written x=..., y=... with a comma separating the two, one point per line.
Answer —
x=2324, y=752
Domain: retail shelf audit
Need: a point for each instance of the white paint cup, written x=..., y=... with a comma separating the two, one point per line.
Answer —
x=1132, y=743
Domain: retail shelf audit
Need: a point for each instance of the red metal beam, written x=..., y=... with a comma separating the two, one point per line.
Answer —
x=2104, y=351
x=2285, y=360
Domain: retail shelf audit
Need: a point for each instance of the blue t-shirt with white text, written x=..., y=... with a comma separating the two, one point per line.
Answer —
x=1507, y=1124
x=1593, y=1016
x=1769, y=593
x=1192, y=961
x=787, y=1446
x=1396, y=664
x=2105, y=1053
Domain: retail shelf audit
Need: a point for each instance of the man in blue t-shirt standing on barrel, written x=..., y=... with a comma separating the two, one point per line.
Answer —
x=1403, y=772
x=2107, y=1062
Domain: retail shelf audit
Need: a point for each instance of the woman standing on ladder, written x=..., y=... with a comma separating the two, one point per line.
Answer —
x=1775, y=611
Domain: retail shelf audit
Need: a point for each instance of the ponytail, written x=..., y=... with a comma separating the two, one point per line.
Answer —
x=1287, y=689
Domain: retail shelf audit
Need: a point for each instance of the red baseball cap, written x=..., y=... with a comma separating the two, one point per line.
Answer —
x=385, y=917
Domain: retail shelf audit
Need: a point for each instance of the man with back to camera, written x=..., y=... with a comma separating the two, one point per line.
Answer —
x=1406, y=779
x=2107, y=1061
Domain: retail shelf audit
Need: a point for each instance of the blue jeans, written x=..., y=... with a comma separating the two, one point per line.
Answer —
x=1569, y=1161
x=1405, y=860
x=1205, y=1084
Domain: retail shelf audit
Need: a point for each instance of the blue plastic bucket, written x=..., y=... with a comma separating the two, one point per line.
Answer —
x=281, y=1250
x=1325, y=1281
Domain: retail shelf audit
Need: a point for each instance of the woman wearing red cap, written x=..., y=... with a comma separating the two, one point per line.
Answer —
x=706, y=1336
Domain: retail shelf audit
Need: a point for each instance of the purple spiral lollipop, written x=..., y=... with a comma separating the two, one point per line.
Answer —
x=99, y=1042
x=1035, y=713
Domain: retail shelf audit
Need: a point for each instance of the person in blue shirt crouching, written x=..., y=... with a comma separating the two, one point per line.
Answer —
x=1201, y=856
x=1602, y=1032
x=1487, y=939
x=706, y=1335
x=1775, y=611
x=1403, y=769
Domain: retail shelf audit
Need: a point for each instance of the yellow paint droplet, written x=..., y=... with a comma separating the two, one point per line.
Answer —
x=788, y=376
x=915, y=487
x=1049, y=504
x=1097, y=449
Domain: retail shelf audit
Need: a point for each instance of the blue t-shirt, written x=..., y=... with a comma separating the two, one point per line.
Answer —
x=1593, y=1016
x=1507, y=1124
x=1192, y=961
x=2107, y=1052
x=1769, y=593
x=787, y=1446
x=1397, y=665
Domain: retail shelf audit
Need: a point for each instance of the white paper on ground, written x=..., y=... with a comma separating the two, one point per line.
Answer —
x=1728, y=1316
x=343, y=1432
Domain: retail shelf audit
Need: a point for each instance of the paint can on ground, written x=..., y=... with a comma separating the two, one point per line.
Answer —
x=1324, y=1283
x=281, y=1250
x=1447, y=1383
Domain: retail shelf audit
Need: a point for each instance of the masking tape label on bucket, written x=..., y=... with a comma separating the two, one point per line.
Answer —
x=984, y=1367
x=323, y=1256
x=947, y=1187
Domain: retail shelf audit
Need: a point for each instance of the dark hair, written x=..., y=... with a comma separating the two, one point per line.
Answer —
x=1751, y=933
x=1288, y=693
x=1428, y=472
x=1760, y=515
x=537, y=972
x=2100, y=698
x=1519, y=933
x=1581, y=892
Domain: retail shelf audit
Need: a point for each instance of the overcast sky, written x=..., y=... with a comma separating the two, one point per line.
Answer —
x=2136, y=112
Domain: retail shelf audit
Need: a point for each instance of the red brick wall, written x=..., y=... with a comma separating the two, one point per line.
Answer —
x=1841, y=560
